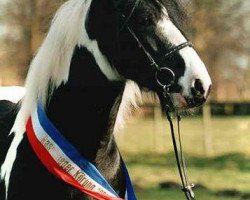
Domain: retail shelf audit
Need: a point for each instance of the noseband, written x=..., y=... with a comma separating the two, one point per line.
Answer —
x=166, y=85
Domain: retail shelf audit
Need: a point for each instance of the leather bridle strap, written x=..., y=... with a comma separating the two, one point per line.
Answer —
x=180, y=160
x=168, y=54
x=153, y=62
x=187, y=188
x=176, y=49
x=151, y=59
x=127, y=18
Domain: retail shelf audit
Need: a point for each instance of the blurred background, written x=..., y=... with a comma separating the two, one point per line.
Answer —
x=216, y=138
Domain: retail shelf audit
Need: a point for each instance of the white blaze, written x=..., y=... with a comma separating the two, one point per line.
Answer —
x=195, y=68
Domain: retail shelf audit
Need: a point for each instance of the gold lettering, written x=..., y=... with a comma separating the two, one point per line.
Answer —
x=101, y=191
x=77, y=173
x=47, y=144
x=68, y=168
x=44, y=139
x=64, y=164
x=89, y=185
x=61, y=160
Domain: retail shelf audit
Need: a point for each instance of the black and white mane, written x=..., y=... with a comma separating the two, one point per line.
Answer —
x=87, y=74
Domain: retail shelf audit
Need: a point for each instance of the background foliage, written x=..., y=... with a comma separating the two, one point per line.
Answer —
x=218, y=28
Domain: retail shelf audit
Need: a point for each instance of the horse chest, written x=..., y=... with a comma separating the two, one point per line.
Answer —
x=30, y=179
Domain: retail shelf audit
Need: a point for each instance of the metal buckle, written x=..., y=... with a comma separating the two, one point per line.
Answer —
x=189, y=191
x=169, y=73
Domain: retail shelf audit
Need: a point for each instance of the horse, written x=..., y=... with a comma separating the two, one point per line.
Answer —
x=95, y=61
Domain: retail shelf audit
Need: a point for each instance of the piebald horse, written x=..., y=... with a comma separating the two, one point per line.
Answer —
x=96, y=59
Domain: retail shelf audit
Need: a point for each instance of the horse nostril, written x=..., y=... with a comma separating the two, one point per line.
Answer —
x=198, y=90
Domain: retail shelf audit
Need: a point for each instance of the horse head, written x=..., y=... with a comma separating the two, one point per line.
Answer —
x=144, y=42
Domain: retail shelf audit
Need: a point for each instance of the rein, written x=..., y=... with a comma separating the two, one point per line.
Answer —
x=187, y=188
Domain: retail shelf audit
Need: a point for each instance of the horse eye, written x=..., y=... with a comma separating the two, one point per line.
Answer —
x=144, y=21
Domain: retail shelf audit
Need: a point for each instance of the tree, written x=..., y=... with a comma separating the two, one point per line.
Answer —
x=27, y=22
x=218, y=29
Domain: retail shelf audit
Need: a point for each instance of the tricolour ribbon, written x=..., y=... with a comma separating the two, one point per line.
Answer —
x=66, y=163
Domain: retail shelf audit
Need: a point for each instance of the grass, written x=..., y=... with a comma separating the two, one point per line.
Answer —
x=158, y=194
x=223, y=165
x=224, y=135
x=215, y=174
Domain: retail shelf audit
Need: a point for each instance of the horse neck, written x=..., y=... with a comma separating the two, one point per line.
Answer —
x=84, y=110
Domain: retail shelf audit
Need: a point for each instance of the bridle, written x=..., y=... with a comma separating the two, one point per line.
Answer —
x=160, y=71
x=180, y=160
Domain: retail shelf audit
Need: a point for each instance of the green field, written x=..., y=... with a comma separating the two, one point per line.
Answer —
x=222, y=163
